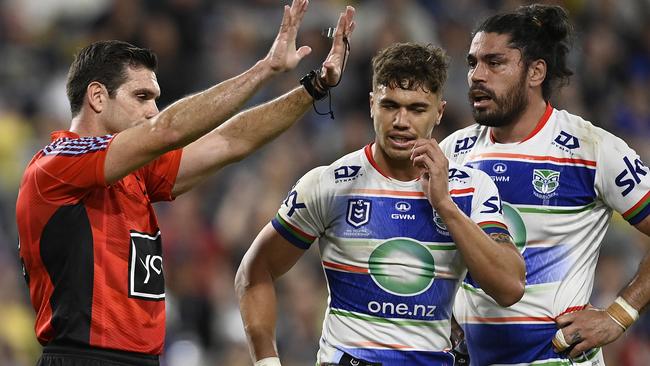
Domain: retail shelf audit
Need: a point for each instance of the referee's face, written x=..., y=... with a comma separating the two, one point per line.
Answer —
x=134, y=101
x=401, y=116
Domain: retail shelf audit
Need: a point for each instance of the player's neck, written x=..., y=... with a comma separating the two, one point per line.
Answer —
x=84, y=125
x=402, y=170
x=522, y=127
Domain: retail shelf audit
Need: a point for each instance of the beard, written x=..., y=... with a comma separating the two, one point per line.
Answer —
x=509, y=106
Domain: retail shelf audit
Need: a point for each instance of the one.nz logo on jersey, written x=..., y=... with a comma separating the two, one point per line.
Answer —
x=146, y=280
x=545, y=182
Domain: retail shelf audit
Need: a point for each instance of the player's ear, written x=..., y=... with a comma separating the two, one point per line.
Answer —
x=441, y=110
x=371, y=99
x=537, y=72
x=96, y=95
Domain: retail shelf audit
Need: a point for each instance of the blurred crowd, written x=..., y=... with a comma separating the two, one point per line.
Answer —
x=206, y=231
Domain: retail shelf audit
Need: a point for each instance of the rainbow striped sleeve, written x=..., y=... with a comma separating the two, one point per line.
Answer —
x=639, y=211
x=293, y=234
x=491, y=227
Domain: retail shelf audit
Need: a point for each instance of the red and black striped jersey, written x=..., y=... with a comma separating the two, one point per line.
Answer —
x=91, y=252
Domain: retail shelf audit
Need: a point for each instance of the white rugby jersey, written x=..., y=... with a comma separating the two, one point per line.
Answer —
x=559, y=187
x=392, y=268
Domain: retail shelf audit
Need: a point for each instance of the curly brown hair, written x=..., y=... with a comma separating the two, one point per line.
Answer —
x=410, y=66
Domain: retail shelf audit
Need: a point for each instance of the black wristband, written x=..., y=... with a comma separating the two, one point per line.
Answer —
x=309, y=82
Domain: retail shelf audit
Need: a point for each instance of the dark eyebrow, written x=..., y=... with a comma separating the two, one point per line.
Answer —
x=487, y=56
x=412, y=105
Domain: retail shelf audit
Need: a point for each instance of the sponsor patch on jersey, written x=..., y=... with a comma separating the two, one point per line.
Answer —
x=545, y=182
x=457, y=175
x=566, y=141
x=358, y=212
x=411, y=275
x=631, y=176
x=464, y=145
x=292, y=202
x=499, y=168
x=402, y=208
x=347, y=173
x=146, y=280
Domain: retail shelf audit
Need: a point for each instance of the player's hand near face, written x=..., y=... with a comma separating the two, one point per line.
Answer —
x=283, y=55
x=333, y=65
x=434, y=167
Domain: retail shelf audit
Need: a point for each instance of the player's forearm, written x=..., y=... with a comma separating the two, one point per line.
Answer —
x=195, y=115
x=637, y=292
x=497, y=267
x=257, y=304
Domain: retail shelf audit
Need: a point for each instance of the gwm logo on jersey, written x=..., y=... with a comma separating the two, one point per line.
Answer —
x=545, y=182
x=146, y=280
x=402, y=267
x=499, y=168
x=346, y=173
x=358, y=212
x=403, y=208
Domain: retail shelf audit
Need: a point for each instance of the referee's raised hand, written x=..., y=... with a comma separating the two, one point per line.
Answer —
x=283, y=55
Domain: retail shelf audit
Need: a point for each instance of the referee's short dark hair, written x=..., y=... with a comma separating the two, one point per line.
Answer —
x=105, y=62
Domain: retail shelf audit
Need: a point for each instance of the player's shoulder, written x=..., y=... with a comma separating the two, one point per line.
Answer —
x=465, y=177
x=76, y=146
x=347, y=168
x=462, y=141
x=579, y=131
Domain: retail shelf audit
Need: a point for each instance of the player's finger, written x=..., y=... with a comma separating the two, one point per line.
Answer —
x=579, y=349
x=565, y=320
x=559, y=342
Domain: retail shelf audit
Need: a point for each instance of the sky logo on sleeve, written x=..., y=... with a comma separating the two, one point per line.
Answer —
x=634, y=171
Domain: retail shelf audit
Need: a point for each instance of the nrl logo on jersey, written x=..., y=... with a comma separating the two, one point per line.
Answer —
x=545, y=183
x=358, y=212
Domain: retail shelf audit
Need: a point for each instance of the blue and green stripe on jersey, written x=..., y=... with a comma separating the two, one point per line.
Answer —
x=293, y=235
x=639, y=211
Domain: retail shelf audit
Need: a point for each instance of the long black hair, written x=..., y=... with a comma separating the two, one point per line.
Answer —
x=539, y=32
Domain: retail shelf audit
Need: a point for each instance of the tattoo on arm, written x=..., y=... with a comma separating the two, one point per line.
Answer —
x=502, y=238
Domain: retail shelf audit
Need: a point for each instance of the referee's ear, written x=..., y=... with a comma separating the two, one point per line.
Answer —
x=96, y=96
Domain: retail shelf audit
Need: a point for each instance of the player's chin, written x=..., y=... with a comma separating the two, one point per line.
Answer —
x=400, y=154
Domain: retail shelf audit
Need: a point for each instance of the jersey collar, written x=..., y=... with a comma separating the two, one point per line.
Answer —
x=540, y=125
x=63, y=133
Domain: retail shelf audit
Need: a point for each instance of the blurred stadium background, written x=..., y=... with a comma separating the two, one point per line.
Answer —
x=206, y=232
